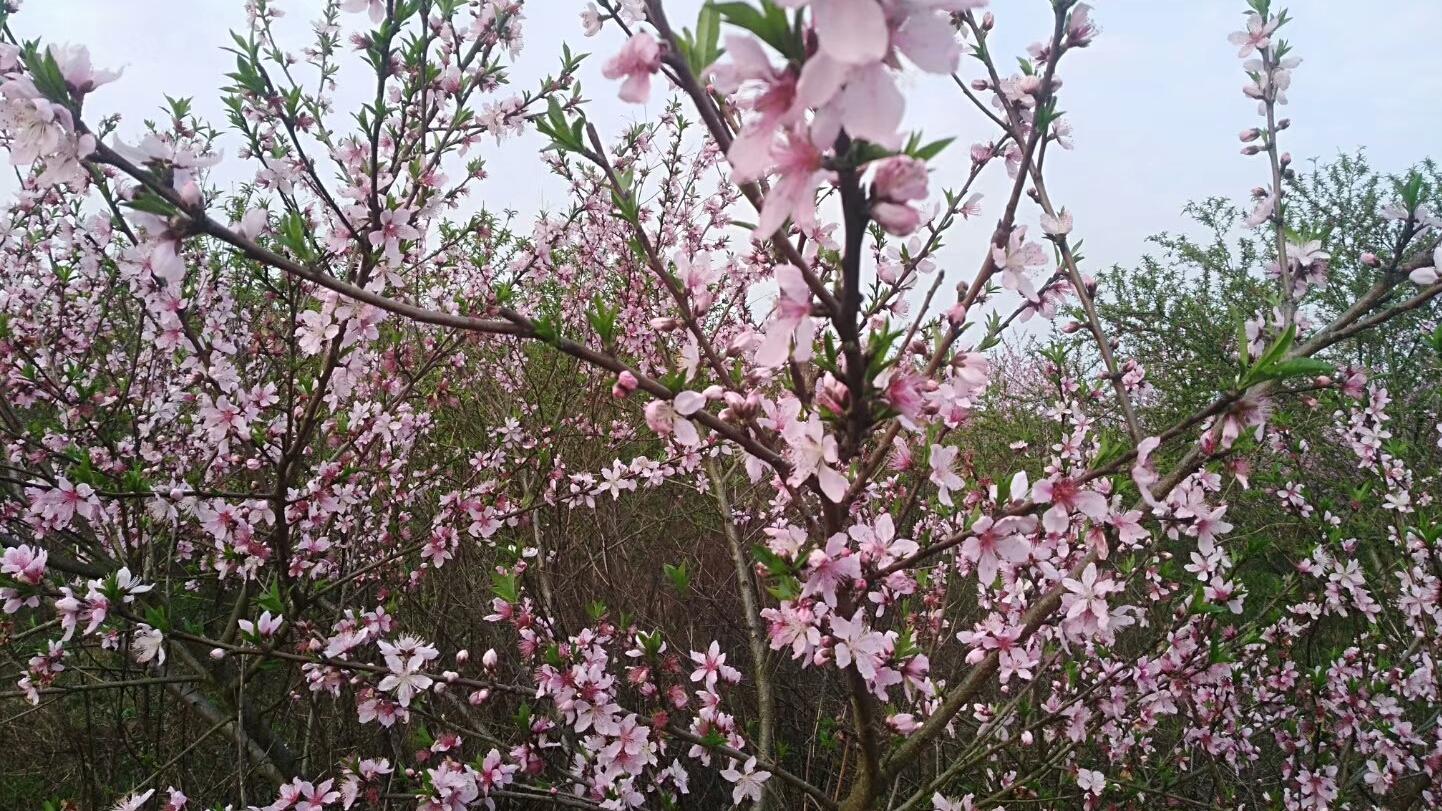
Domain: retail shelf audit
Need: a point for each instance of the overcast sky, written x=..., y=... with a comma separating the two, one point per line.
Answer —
x=1155, y=102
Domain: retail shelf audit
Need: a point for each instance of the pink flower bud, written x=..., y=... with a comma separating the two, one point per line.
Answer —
x=900, y=179
x=625, y=384
x=462, y=656
x=1250, y=135
x=1251, y=149
x=897, y=219
x=488, y=659
x=980, y=85
x=217, y=654
x=1371, y=260
x=479, y=697
x=190, y=193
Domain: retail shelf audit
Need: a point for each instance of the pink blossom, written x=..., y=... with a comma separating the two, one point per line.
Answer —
x=993, y=543
x=794, y=626
x=1067, y=496
x=394, y=227
x=1427, y=276
x=793, y=195
x=1085, y=602
x=133, y=802
x=74, y=64
x=1258, y=35
x=813, y=453
x=405, y=678
x=24, y=563
x=774, y=103
x=1059, y=225
x=746, y=784
x=711, y=665
x=638, y=59
x=59, y=505
x=857, y=644
x=830, y=567
x=898, y=180
x=376, y=8
x=1091, y=782
x=943, y=474
x=1015, y=259
x=148, y=645
x=790, y=320
x=663, y=418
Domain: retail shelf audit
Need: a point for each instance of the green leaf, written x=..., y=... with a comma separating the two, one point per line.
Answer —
x=270, y=600
x=930, y=150
x=769, y=24
x=1262, y=369
x=45, y=73
x=151, y=204
x=603, y=318
x=506, y=587
x=776, y=565
x=292, y=233
x=157, y=618
x=679, y=577
x=1300, y=367
x=703, y=48
x=547, y=329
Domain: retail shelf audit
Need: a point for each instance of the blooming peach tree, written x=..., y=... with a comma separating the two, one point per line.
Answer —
x=337, y=487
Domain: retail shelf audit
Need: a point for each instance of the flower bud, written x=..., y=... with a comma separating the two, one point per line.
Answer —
x=479, y=697
x=462, y=656
x=625, y=384
x=1250, y=135
x=988, y=21
x=896, y=218
x=1251, y=149
x=900, y=178
x=980, y=85
x=1371, y=260
x=217, y=654
x=488, y=659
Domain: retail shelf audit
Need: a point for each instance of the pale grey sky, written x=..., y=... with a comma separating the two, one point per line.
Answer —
x=1155, y=102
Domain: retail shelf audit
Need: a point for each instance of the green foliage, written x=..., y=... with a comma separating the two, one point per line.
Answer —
x=703, y=48
x=678, y=576
x=769, y=24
